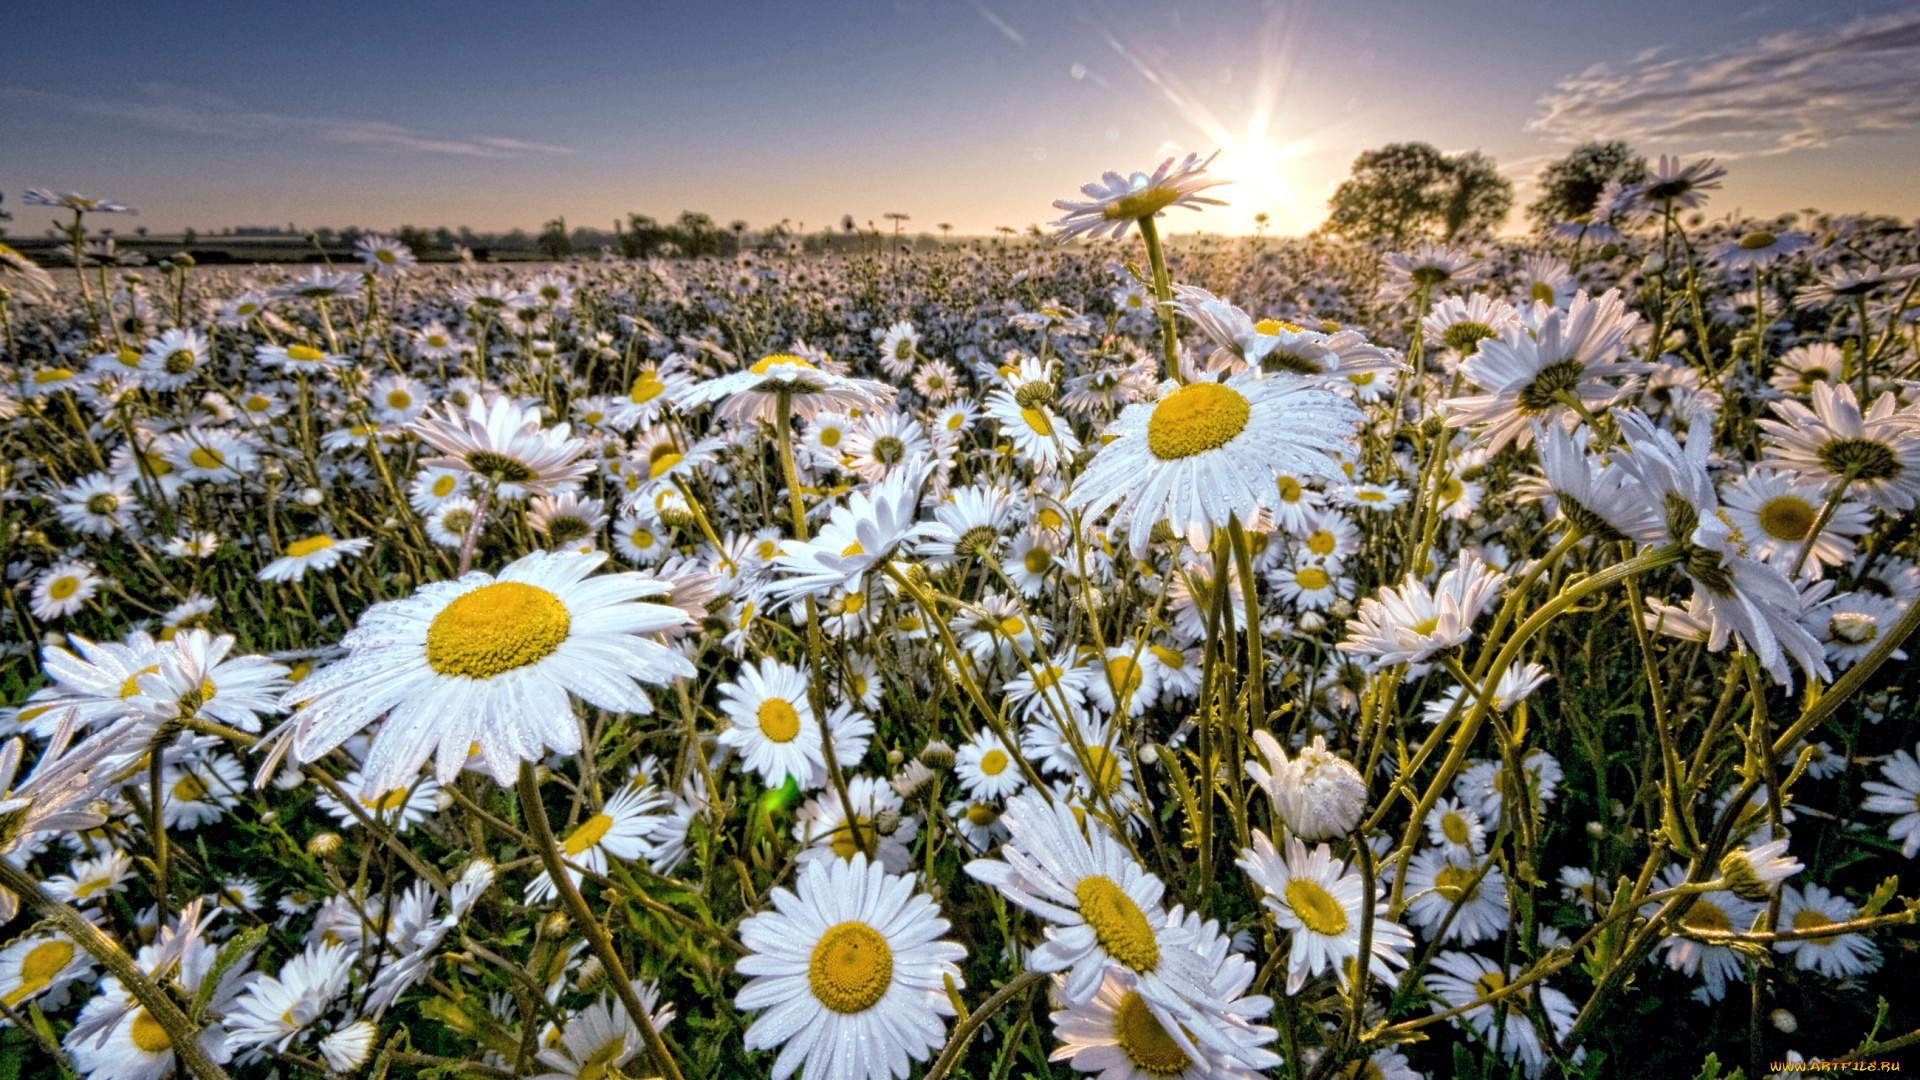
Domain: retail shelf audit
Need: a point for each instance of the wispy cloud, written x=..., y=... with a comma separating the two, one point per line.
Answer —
x=1786, y=92
x=167, y=107
x=1001, y=25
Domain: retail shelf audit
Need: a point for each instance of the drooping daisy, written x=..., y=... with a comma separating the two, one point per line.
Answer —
x=851, y=971
x=1319, y=795
x=753, y=392
x=1462, y=978
x=89, y=880
x=317, y=552
x=489, y=661
x=504, y=443
x=619, y=828
x=1836, y=956
x=1411, y=623
x=399, y=809
x=1208, y=451
x=62, y=588
x=1311, y=896
x=1118, y=201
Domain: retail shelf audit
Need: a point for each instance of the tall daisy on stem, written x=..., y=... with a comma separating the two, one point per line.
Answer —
x=1118, y=201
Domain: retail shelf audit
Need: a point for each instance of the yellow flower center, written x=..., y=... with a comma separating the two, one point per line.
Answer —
x=1456, y=882
x=259, y=403
x=128, y=357
x=1038, y=560
x=1454, y=828
x=148, y=1035
x=1196, y=418
x=63, y=587
x=1037, y=420
x=49, y=376
x=1312, y=578
x=1321, y=542
x=590, y=832
x=993, y=762
x=1371, y=496
x=600, y=1063
x=305, y=353
x=779, y=721
x=641, y=539
x=392, y=800
x=1757, y=241
x=664, y=457
x=1271, y=327
x=399, y=399
x=851, y=968
x=443, y=486
x=132, y=685
x=845, y=844
x=760, y=368
x=1145, y=1041
x=1451, y=489
x=300, y=549
x=206, y=457
x=1316, y=908
x=48, y=959
x=830, y=436
x=1542, y=292
x=496, y=629
x=852, y=549
x=647, y=387
x=1118, y=924
x=1172, y=658
x=981, y=815
x=1050, y=518
x=1804, y=919
x=189, y=788
x=1103, y=772
x=1787, y=517
x=1492, y=983
x=1704, y=915
x=1124, y=674
x=1013, y=626
x=1140, y=204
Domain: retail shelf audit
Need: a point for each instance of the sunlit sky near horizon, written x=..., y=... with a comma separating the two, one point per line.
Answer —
x=978, y=115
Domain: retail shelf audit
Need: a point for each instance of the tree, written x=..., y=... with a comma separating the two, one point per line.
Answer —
x=1479, y=197
x=1408, y=189
x=418, y=240
x=1570, y=188
x=642, y=238
x=696, y=235
x=554, y=242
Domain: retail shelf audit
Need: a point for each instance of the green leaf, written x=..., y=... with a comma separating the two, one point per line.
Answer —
x=236, y=950
x=1464, y=1066
x=1880, y=898
x=1709, y=1069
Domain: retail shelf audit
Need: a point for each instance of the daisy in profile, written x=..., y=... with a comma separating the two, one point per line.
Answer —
x=504, y=443
x=41, y=967
x=1542, y=375
x=489, y=662
x=1428, y=267
x=1116, y=1035
x=852, y=972
x=1878, y=450
x=89, y=880
x=1899, y=794
x=399, y=809
x=1800, y=367
x=349, y=1046
x=986, y=767
x=276, y=1010
x=317, y=552
x=1118, y=201
x=1670, y=185
x=857, y=536
x=1311, y=896
x=1836, y=956
x=599, y=1040
x=619, y=828
x=1758, y=248
x=753, y=392
x=197, y=677
x=1601, y=500
x=62, y=589
x=297, y=358
x=1411, y=623
x=1460, y=978
x=773, y=723
x=569, y=522
x=1211, y=451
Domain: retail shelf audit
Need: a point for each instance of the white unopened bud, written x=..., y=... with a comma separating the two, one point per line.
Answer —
x=1655, y=263
x=1785, y=1022
x=1319, y=795
x=312, y=497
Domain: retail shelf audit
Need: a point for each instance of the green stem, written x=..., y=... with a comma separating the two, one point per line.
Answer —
x=1163, y=294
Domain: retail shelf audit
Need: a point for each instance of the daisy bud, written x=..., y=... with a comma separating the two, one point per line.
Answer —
x=324, y=845
x=1785, y=1022
x=886, y=821
x=1149, y=755
x=1319, y=794
x=1035, y=395
x=937, y=753
x=555, y=926
x=289, y=778
x=347, y=1048
x=312, y=497
x=1311, y=622
x=911, y=779
x=1655, y=263
x=895, y=757
x=1596, y=829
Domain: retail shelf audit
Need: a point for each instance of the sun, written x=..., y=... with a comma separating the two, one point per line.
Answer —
x=1260, y=169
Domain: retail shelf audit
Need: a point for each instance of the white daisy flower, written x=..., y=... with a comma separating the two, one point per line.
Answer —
x=851, y=971
x=1443, y=886
x=504, y=443
x=1456, y=829
x=1118, y=201
x=487, y=662
x=1837, y=956
x=822, y=828
x=1879, y=449
x=1311, y=896
x=1719, y=910
x=41, y=966
x=317, y=552
x=1411, y=623
x=773, y=724
x=600, y=1039
x=1899, y=795
x=619, y=828
x=986, y=767
x=62, y=588
x=1462, y=978
x=276, y=1010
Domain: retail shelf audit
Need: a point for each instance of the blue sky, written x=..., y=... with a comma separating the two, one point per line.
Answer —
x=976, y=114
